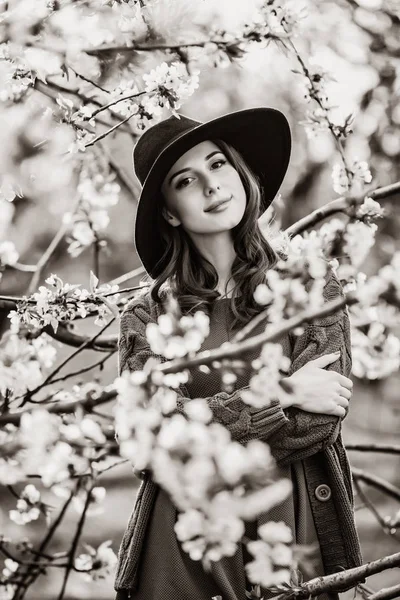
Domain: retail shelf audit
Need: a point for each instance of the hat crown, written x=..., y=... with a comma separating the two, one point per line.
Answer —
x=153, y=141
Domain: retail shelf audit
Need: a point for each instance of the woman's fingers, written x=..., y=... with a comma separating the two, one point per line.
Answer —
x=327, y=359
x=346, y=393
x=340, y=411
x=345, y=381
x=342, y=401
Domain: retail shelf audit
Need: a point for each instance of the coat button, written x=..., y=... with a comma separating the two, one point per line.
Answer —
x=323, y=492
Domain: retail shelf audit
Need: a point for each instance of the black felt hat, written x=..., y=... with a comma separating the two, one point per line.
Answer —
x=260, y=135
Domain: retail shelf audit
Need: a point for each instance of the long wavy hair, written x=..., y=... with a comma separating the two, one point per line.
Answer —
x=192, y=279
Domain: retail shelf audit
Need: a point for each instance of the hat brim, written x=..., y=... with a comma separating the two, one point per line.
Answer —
x=261, y=135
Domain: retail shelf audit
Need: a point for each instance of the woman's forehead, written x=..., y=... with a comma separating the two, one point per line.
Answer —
x=199, y=152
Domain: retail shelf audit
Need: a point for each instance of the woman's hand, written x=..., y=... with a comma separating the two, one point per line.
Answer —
x=318, y=391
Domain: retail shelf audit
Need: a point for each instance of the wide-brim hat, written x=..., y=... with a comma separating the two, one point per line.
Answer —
x=261, y=135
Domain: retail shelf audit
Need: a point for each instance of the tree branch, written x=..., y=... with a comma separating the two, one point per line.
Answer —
x=44, y=259
x=127, y=276
x=30, y=576
x=384, y=448
x=387, y=530
x=22, y=267
x=152, y=47
x=101, y=136
x=50, y=378
x=387, y=593
x=341, y=204
x=376, y=482
x=116, y=101
x=330, y=583
x=273, y=333
x=106, y=343
x=75, y=541
x=63, y=407
x=122, y=175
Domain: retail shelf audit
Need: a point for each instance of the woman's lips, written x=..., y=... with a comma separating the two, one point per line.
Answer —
x=217, y=205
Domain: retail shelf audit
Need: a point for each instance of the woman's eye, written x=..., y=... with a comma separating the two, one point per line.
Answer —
x=183, y=183
x=218, y=163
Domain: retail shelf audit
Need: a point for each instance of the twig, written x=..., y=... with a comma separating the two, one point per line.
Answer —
x=64, y=335
x=63, y=407
x=45, y=89
x=387, y=593
x=96, y=255
x=364, y=590
x=84, y=369
x=273, y=333
x=93, y=83
x=152, y=47
x=127, y=276
x=120, y=172
x=383, y=448
x=250, y=326
x=380, y=484
x=116, y=101
x=44, y=259
x=7, y=553
x=21, y=267
x=67, y=376
x=370, y=505
x=347, y=578
x=101, y=136
x=49, y=379
x=75, y=541
x=29, y=577
x=339, y=205
x=385, y=192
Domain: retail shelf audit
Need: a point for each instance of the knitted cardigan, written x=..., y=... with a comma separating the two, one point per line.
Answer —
x=292, y=434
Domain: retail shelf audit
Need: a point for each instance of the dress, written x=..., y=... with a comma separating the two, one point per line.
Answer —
x=162, y=557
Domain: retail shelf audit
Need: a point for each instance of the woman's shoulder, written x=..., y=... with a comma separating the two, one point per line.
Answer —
x=142, y=307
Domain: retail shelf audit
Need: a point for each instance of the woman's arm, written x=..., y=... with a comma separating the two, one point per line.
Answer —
x=306, y=433
x=243, y=422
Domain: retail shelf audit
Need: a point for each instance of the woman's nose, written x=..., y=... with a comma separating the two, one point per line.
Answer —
x=211, y=188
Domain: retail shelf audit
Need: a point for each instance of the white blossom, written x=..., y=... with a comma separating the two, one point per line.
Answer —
x=370, y=208
x=265, y=383
x=262, y=294
x=198, y=410
x=376, y=354
x=96, y=506
x=358, y=240
x=275, y=533
x=22, y=362
x=63, y=302
x=273, y=557
x=175, y=337
x=28, y=506
x=10, y=567
x=8, y=253
x=98, y=563
x=11, y=472
x=357, y=174
x=171, y=84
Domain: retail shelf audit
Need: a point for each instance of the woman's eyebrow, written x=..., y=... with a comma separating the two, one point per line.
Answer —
x=186, y=169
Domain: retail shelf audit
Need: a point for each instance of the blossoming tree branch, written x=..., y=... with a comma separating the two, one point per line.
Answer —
x=72, y=75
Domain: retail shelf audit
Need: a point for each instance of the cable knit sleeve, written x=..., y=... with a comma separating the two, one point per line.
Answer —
x=307, y=433
x=243, y=422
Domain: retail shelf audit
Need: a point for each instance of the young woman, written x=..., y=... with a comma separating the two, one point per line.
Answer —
x=197, y=235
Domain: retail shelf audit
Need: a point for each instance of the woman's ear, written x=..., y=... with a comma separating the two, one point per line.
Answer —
x=170, y=218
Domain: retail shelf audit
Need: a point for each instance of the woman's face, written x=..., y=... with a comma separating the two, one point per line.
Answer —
x=203, y=192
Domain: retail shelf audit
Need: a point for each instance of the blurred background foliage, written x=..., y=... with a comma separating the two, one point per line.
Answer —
x=358, y=42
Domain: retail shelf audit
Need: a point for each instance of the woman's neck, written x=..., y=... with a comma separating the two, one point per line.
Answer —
x=219, y=251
